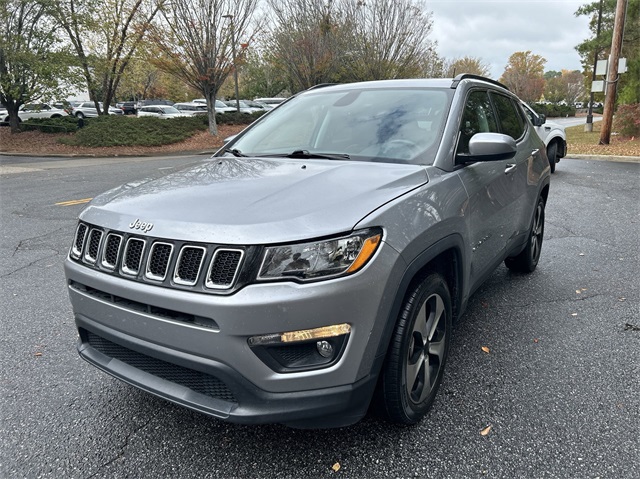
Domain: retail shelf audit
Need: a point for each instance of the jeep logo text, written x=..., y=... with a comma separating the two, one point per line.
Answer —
x=139, y=225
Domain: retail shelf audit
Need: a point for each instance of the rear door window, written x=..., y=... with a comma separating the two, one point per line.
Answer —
x=509, y=117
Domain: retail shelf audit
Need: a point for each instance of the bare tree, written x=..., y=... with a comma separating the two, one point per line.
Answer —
x=197, y=38
x=308, y=41
x=105, y=35
x=32, y=61
x=389, y=38
x=473, y=65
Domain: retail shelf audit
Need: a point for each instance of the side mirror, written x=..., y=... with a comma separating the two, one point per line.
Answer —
x=541, y=120
x=489, y=147
x=228, y=139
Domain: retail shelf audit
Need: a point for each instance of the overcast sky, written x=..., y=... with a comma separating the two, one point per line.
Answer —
x=494, y=29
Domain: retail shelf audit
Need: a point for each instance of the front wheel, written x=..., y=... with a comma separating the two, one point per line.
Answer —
x=552, y=154
x=80, y=115
x=527, y=260
x=415, y=361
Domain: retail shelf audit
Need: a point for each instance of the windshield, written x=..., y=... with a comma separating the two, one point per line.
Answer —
x=385, y=124
x=169, y=110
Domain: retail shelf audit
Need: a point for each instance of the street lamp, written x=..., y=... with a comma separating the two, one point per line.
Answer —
x=233, y=50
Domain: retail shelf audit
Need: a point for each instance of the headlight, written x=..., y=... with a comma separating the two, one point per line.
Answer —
x=321, y=259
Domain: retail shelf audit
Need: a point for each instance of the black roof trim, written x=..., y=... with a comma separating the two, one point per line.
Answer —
x=469, y=76
x=320, y=85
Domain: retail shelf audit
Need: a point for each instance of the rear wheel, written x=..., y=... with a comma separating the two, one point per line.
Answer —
x=80, y=115
x=552, y=154
x=527, y=260
x=415, y=362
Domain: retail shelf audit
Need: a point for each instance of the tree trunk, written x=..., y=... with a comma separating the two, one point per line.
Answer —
x=14, y=119
x=211, y=111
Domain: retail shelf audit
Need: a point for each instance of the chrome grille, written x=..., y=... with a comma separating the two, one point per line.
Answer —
x=189, y=264
x=78, y=242
x=133, y=256
x=205, y=268
x=93, y=246
x=158, y=261
x=224, y=268
x=111, y=251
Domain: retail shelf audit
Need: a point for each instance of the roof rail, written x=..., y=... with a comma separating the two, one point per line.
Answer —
x=320, y=85
x=465, y=76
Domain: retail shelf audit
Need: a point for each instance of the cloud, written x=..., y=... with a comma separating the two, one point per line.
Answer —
x=493, y=30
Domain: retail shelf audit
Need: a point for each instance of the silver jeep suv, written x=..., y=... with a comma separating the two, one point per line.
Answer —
x=320, y=257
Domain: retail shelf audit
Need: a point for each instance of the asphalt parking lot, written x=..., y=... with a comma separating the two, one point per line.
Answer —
x=557, y=393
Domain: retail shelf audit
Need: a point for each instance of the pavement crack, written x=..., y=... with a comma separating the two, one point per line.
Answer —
x=122, y=449
x=26, y=266
x=40, y=236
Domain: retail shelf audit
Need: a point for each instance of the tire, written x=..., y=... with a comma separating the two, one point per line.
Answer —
x=414, y=365
x=527, y=260
x=80, y=115
x=552, y=154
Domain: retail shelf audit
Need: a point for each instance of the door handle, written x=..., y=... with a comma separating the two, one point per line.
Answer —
x=535, y=152
x=510, y=167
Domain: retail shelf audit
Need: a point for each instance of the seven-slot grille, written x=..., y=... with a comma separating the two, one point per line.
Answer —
x=162, y=261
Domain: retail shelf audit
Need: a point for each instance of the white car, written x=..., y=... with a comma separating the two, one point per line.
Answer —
x=552, y=134
x=219, y=106
x=37, y=110
x=161, y=111
x=272, y=102
x=191, y=109
x=87, y=109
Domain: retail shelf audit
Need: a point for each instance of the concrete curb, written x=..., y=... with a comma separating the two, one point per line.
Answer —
x=624, y=159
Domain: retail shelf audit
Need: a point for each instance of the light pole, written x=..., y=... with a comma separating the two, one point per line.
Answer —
x=233, y=51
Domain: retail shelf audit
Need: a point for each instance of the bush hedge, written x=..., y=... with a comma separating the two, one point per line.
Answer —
x=626, y=121
x=62, y=124
x=552, y=110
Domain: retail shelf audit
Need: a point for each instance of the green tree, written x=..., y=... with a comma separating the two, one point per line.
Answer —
x=32, y=60
x=105, y=35
x=628, y=91
x=524, y=75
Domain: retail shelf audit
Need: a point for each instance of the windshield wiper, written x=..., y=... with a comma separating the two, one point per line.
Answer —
x=306, y=154
x=234, y=152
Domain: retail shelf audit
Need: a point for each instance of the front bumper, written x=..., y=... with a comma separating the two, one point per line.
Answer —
x=212, y=369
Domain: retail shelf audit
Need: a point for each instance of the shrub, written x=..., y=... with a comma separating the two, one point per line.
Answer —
x=125, y=131
x=553, y=110
x=235, y=118
x=627, y=120
x=62, y=124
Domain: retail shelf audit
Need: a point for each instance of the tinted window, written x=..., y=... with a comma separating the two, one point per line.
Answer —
x=511, y=121
x=478, y=117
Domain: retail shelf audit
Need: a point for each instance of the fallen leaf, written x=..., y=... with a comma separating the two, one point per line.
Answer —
x=622, y=299
x=485, y=349
x=38, y=354
x=535, y=340
x=578, y=291
x=583, y=289
x=485, y=431
x=581, y=254
x=336, y=467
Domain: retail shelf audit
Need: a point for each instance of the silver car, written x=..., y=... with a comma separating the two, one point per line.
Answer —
x=87, y=109
x=320, y=256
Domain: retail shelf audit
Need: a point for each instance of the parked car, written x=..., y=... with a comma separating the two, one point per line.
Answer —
x=87, y=109
x=244, y=107
x=128, y=107
x=157, y=101
x=552, y=134
x=270, y=101
x=36, y=110
x=319, y=256
x=161, y=111
x=220, y=106
x=192, y=108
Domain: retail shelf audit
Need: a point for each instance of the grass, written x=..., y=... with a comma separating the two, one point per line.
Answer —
x=580, y=142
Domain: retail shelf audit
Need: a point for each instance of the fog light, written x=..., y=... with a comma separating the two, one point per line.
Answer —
x=325, y=349
x=302, y=350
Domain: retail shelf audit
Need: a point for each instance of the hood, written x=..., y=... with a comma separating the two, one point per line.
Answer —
x=254, y=200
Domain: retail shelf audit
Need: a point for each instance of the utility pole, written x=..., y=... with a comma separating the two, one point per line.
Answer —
x=612, y=73
x=589, y=125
